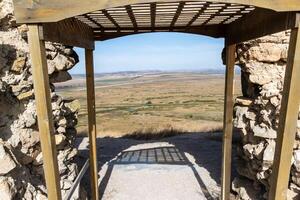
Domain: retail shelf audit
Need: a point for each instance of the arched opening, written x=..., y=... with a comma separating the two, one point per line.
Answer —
x=148, y=88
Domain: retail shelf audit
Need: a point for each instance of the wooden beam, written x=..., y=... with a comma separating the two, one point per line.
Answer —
x=215, y=31
x=70, y=32
x=111, y=19
x=177, y=14
x=131, y=16
x=92, y=129
x=153, y=15
x=44, y=110
x=28, y=11
x=201, y=11
x=287, y=122
x=228, y=122
x=259, y=23
x=94, y=21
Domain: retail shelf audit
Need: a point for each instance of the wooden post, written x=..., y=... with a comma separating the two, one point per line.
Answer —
x=227, y=122
x=44, y=110
x=92, y=122
x=287, y=121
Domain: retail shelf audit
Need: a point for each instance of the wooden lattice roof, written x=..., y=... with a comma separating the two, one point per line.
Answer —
x=170, y=16
x=80, y=23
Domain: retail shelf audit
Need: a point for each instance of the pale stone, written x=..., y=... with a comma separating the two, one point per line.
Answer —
x=7, y=163
x=60, y=139
x=39, y=159
x=7, y=188
x=266, y=52
x=18, y=64
x=25, y=95
x=296, y=156
x=61, y=129
x=74, y=105
x=244, y=101
x=263, y=132
x=268, y=155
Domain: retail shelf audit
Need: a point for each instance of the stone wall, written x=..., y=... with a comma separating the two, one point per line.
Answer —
x=21, y=166
x=263, y=63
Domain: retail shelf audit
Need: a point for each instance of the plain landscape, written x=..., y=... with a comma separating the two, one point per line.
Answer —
x=143, y=103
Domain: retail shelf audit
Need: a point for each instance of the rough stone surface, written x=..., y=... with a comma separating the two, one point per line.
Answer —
x=262, y=63
x=21, y=169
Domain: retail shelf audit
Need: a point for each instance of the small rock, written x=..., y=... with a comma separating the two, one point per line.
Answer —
x=7, y=188
x=18, y=64
x=39, y=159
x=25, y=95
x=61, y=129
x=74, y=105
x=60, y=140
x=7, y=163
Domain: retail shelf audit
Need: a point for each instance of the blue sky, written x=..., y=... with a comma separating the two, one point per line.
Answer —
x=155, y=51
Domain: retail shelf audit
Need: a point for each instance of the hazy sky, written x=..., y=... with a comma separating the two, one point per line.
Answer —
x=155, y=51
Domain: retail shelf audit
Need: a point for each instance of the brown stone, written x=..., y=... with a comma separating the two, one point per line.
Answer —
x=18, y=65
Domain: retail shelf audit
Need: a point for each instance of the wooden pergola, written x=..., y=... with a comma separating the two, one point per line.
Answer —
x=81, y=23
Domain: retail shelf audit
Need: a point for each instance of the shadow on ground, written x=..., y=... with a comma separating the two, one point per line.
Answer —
x=200, y=152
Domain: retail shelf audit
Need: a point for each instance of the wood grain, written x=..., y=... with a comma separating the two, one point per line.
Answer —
x=44, y=111
x=228, y=122
x=92, y=129
x=287, y=122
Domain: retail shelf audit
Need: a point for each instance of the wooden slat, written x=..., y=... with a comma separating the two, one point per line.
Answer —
x=178, y=12
x=153, y=15
x=94, y=21
x=70, y=32
x=131, y=16
x=228, y=122
x=201, y=11
x=92, y=130
x=214, y=15
x=287, y=122
x=237, y=13
x=259, y=23
x=54, y=10
x=111, y=19
x=44, y=110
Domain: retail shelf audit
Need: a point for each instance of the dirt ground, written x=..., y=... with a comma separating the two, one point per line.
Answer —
x=183, y=167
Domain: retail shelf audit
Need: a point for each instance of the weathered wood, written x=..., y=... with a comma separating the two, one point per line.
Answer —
x=131, y=16
x=260, y=23
x=111, y=19
x=44, y=110
x=153, y=15
x=228, y=122
x=287, y=122
x=216, y=14
x=55, y=10
x=177, y=14
x=94, y=21
x=200, y=12
x=215, y=31
x=92, y=130
x=70, y=32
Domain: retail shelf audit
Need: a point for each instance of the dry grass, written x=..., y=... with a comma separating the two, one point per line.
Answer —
x=160, y=104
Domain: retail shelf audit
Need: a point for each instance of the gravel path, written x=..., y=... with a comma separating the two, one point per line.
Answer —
x=184, y=167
